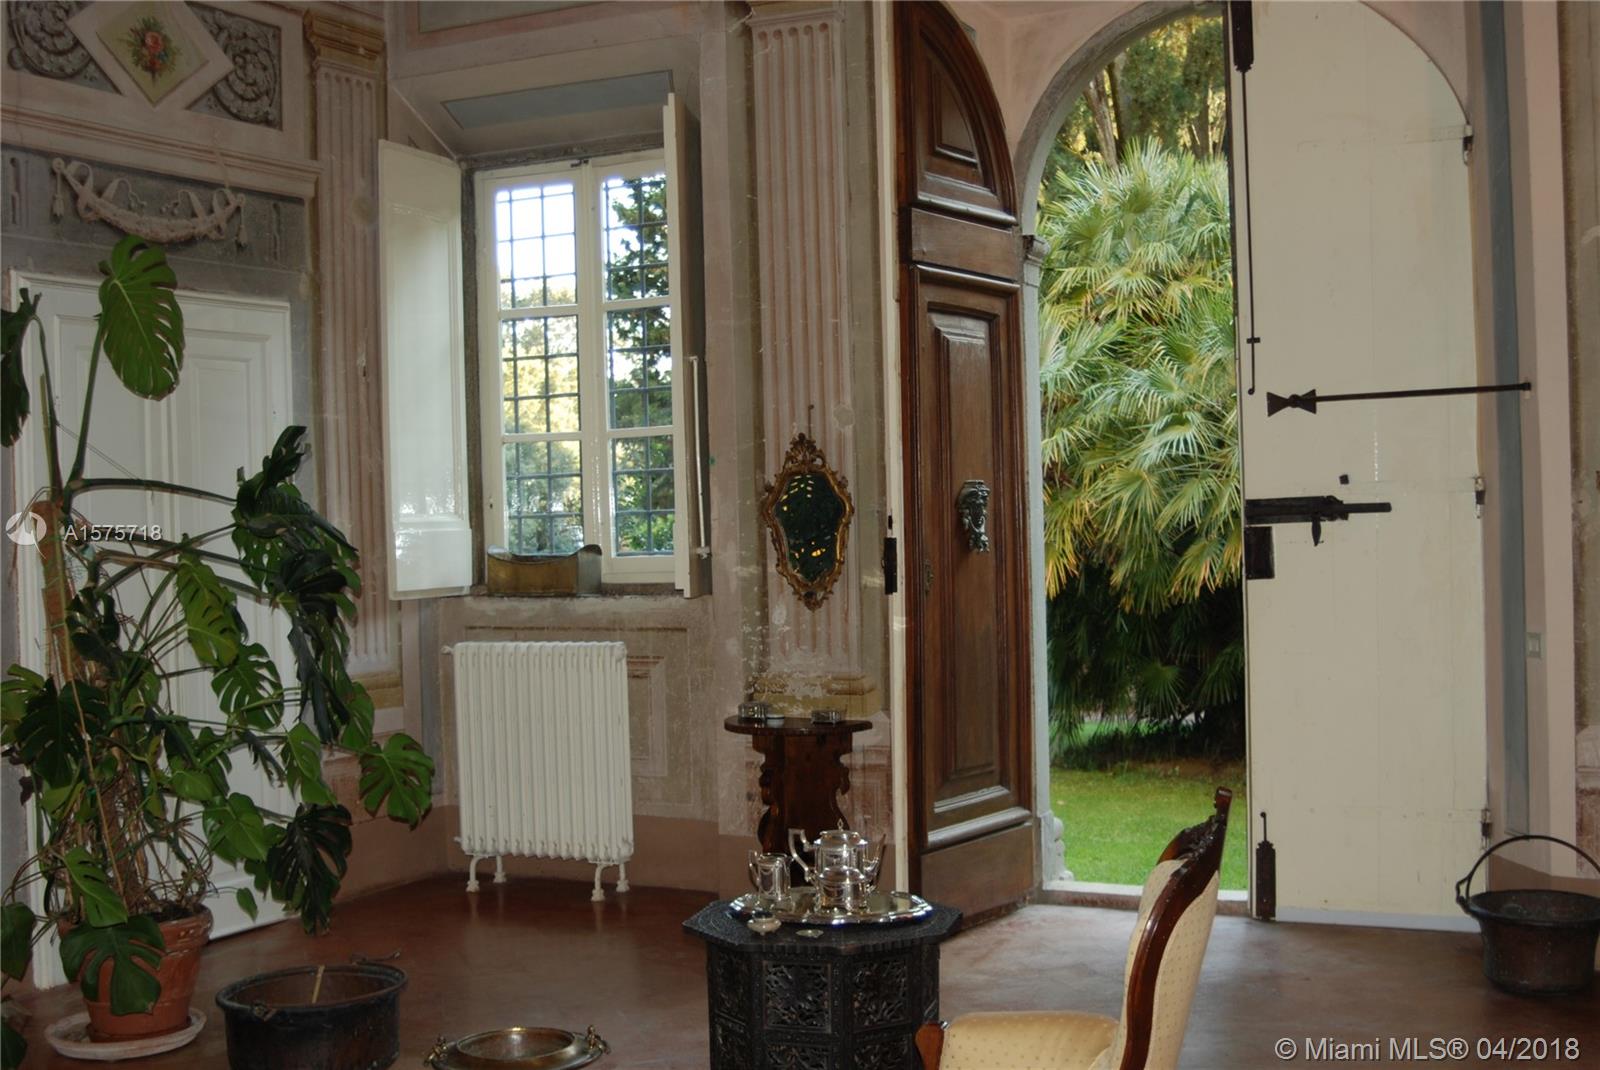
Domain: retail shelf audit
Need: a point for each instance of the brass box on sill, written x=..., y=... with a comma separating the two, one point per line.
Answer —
x=544, y=574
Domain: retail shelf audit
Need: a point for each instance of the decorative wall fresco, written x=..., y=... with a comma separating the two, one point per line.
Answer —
x=160, y=46
x=153, y=47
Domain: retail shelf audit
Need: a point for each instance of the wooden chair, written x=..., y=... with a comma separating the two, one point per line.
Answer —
x=1163, y=971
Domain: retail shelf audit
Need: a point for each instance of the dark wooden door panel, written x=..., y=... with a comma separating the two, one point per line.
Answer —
x=971, y=683
x=985, y=874
x=950, y=121
x=968, y=692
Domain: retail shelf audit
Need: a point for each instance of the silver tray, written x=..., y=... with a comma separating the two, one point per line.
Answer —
x=522, y=1047
x=881, y=908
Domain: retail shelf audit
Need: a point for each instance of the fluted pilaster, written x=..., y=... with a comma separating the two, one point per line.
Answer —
x=797, y=69
x=348, y=80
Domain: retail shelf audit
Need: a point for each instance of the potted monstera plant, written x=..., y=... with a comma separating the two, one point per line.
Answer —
x=127, y=761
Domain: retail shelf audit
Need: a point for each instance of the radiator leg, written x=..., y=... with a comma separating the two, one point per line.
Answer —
x=622, y=876
x=499, y=869
x=598, y=895
x=472, y=872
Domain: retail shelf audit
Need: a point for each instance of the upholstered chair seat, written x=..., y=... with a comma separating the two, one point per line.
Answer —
x=1027, y=1040
x=1169, y=939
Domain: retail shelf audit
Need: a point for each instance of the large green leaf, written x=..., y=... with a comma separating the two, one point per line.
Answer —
x=213, y=623
x=357, y=703
x=192, y=785
x=16, y=691
x=401, y=774
x=307, y=569
x=247, y=902
x=302, y=763
x=260, y=754
x=94, y=627
x=274, y=523
x=49, y=736
x=134, y=948
x=306, y=864
x=140, y=318
x=13, y=379
x=249, y=688
x=96, y=898
x=277, y=469
x=333, y=701
x=16, y=939
x=235, y=829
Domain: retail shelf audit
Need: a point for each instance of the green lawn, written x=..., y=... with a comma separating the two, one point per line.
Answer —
x=1118, y=821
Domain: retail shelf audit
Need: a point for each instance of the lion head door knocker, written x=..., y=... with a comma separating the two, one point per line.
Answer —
x=972, y=505
x=807, y=511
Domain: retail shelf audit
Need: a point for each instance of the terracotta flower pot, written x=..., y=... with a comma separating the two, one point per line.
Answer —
x=178, y=971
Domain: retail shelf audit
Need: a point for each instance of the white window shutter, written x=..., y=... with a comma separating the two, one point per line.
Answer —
x=425, y=426
x=691, y=539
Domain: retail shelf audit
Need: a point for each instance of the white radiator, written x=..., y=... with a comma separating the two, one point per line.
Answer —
x=542, y=754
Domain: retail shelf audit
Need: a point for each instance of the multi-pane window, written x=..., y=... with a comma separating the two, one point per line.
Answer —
x=583, y=307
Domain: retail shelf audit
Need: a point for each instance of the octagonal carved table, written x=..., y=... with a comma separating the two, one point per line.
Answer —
x=851, y=998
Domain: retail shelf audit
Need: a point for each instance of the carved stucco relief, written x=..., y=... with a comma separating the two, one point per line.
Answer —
x=41, y=42
x=263, y=231
x=171, y=225
x=250, y=92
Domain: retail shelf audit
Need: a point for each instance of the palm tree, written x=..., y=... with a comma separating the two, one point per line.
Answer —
x=1141, y=448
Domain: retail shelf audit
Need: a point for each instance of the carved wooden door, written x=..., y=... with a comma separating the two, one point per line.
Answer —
x=966, y=574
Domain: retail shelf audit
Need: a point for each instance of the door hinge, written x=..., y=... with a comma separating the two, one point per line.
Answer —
x=1243, y=36
x=1479, y=492
x=891, y=561
x=1466, y=145
x=1266, y=905
x=1485, y=823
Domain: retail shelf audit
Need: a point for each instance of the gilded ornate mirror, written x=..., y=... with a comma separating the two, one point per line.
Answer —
x=807, y=510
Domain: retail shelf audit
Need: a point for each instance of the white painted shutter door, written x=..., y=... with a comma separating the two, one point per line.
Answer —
x=1365, y=653
x=425, y=430
x=691, y=536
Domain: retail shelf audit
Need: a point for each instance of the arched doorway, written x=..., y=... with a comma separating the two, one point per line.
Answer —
x=1375, y=842
x=1140, y=455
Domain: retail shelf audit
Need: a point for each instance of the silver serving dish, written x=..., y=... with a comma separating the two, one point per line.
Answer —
x=522, y=1048
x=879, y=908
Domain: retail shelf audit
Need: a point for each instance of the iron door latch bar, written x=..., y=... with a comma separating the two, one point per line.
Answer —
x=1308, y=401
x=1311, y=509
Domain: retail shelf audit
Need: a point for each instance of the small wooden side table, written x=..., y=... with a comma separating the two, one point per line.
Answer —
x=802, y=774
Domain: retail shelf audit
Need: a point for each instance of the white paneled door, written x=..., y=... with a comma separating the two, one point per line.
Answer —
x=1366, y=653
x=231, y=402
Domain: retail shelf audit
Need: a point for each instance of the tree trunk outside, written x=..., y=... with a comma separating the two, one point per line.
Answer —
x=1095, y=94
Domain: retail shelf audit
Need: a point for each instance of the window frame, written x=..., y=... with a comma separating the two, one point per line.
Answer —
x=595, y=435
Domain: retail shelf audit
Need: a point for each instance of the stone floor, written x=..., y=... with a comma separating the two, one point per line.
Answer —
x=538, y=952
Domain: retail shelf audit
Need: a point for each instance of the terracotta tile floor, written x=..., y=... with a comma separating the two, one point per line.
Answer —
x=538, y=952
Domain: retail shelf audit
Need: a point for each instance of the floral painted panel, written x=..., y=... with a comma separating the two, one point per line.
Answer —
x=151, y=47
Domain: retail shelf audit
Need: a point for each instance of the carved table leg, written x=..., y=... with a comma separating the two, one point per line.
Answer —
x=771, y=831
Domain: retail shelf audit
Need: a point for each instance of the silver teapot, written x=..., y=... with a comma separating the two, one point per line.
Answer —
x=843, y=868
